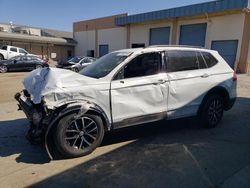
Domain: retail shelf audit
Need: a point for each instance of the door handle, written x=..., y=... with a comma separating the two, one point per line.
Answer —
x=122, y=81
x=205, y=75
x=160, y=82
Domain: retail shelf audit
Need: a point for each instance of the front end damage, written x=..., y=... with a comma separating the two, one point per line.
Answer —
x=43, y=120
x=41, y=104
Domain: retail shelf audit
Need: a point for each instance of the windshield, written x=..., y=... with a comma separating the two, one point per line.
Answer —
x=104, y=65
x=75, y=59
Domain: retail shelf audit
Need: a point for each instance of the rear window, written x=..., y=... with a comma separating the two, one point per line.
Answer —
x=22, y=51
x=13, y=49
x=184, y=60
x=209, y=59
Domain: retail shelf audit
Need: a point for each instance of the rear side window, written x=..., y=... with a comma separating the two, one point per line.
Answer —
x=209, y=59
x=13, y=49
x=4, y=48
x=22, y=51
x=184, y=60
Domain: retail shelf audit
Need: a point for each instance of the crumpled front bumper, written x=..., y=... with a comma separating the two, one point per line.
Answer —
x=25, y=105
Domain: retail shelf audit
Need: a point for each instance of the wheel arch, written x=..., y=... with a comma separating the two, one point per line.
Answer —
x=218, y=90
x=66, y=109
x=2, y=55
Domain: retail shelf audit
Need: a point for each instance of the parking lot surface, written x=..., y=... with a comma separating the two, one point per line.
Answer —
x=176, y=153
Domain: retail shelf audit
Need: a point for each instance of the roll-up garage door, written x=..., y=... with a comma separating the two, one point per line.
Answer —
x=193, y=35
x=159, y=36
x=227, y=49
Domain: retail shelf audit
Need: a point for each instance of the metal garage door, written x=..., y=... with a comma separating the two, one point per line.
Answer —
x=159, y=35
x=194, y=35
x=227, y=49
x=103, y=50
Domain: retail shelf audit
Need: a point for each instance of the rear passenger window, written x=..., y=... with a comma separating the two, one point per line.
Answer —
x=13, y=49
x=184, y=60
x=210, y=59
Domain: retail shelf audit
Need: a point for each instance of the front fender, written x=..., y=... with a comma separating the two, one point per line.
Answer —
x=79, y=109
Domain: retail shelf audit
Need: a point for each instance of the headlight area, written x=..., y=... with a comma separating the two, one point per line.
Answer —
x=37, y=114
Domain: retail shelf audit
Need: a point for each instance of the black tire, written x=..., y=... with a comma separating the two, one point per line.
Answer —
x=1, y=57
x=3, y=69
x=82, y=144
x=75, y=69
x=212, y=111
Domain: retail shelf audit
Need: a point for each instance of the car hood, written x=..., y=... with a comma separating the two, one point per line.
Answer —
x=56, y=86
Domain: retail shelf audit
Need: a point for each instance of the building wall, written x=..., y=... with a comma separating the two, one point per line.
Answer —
x=85, y=41
x=227, y=27
x=114, y=37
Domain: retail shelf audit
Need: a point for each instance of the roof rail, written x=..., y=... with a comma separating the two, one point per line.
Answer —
x=186, y=46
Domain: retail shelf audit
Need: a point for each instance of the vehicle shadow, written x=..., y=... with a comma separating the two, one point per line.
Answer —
x=13, y=142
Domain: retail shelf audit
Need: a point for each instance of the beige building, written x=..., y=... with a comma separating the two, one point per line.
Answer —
x=222, y=25
x=46, y=43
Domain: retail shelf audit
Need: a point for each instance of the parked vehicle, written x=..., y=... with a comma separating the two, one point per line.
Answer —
x=76, y=63
x=7, y=52
x=70, y=62
x=86, y=61
x=71, y=112
x=22, y=63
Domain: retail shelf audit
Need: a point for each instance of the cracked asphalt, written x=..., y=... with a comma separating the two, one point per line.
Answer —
x=176, y=153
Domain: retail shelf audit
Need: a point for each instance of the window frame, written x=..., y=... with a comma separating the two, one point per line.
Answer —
x=194, y=51
x=13, y=48
x=160, y=67
x=217, y=61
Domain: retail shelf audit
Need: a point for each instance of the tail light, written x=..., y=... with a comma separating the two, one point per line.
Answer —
x=234, y=77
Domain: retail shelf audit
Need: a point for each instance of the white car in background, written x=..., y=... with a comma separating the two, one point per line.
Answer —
x=7, y=52
x=71, y=112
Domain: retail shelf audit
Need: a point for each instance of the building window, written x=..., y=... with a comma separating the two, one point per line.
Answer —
x=138, y=45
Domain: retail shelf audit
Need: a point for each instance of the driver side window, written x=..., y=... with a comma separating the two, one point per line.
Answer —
x=142, y=65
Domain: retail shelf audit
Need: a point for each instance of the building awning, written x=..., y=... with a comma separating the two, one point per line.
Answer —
x=37, y=39
x=191, y=10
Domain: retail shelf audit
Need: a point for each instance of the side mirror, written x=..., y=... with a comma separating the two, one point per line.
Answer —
x=15, y=60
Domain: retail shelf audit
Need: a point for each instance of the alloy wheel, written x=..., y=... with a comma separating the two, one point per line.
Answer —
x=3, y=69
x=215, y=111
x=81, y=133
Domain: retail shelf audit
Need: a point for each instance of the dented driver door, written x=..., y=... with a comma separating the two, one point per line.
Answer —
x=137, y=96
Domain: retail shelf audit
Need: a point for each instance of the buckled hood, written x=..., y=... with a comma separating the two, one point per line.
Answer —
x=58, y=85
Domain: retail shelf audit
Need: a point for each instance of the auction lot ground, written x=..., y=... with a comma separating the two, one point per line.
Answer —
x=166, y=154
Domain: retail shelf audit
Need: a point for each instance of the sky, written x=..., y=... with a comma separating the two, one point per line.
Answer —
x=60, y=14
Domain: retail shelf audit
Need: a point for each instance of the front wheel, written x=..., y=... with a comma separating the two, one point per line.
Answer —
x=78, y=136
x=212, y=111
x=39, y=66
x=3, y=68
x=75, y=69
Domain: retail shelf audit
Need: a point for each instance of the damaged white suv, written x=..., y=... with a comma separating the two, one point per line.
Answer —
x=70, y=112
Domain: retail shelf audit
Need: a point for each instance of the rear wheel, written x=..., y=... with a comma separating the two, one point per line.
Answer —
x=3, y=68
x=212, y=111
x=78, y=136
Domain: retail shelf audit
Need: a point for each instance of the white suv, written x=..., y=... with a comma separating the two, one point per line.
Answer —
x=71, y=111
